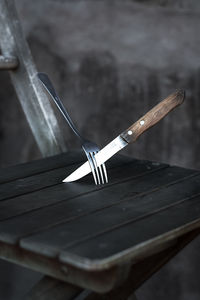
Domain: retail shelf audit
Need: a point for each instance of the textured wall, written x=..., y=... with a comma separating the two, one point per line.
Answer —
x=111, y=61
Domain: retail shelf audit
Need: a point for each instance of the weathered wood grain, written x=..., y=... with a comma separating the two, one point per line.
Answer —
x=43, y=178
x=91, y=235
x=67, y=191
x=124, y=210
x=99, y=281
x=13, y=228
x=53, y=162
x=38, y=166
x=144, y=269
x=138, y=233
x=35, y=182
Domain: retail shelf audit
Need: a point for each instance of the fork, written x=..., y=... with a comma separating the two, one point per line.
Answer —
x=91, y=149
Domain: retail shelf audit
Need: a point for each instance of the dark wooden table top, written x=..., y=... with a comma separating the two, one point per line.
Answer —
x=92, y=228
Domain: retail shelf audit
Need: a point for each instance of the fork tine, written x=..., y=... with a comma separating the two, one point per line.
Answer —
x=101, y=173
x=105, y=172
x=91, y=163
x=99, y=168
x=95, y=164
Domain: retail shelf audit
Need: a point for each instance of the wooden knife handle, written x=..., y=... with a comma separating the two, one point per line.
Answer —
x=153, y=116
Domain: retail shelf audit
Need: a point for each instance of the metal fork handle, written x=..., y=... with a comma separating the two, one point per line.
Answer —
x=50, y=89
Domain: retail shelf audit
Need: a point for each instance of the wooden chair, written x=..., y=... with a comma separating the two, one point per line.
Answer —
x=106, y=240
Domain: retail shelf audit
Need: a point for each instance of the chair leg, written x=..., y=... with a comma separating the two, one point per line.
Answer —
x=16, y=54
x=52, y=289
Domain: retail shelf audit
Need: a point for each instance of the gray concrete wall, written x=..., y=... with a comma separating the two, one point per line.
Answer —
x=111, y=61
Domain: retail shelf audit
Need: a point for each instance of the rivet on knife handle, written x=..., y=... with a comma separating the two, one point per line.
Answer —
x=153, y=116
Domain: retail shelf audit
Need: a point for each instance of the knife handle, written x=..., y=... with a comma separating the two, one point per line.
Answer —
x=153, y=116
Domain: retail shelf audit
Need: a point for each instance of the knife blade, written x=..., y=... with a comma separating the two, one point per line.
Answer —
x=131, y=134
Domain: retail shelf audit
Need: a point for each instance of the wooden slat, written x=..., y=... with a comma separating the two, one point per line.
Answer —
x=57, y=161
x=106, y=220
x=34, y=183
x=39, y=166
x=66, y=191
x=139, y=233
x=42, y=179
x=71, y=200
x=101, y=282
x=129, y=208
x=144, y=269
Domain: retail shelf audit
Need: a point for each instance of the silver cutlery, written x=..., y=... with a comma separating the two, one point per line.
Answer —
x=90, y=148
x=132, y=133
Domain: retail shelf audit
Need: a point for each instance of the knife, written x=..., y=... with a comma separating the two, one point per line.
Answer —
x=131, y=134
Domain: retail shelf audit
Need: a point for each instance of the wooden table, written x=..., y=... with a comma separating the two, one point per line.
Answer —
x=108, y=239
